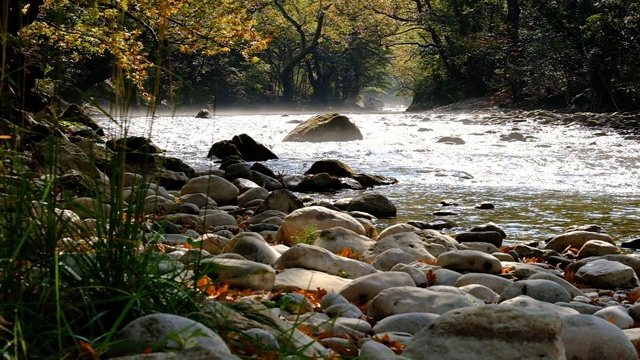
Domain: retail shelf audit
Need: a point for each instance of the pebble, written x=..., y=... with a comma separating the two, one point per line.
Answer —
x=593, y=338
x=539, y=289
x=607, y=274
x=365, y=288
x=405, y=299
x=469, y=260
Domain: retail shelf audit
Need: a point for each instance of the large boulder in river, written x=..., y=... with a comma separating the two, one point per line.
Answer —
x=74, y=113
x=76, y=170
x=203, y=114
x=242, y=145
x=134, y=144
x=373, y=103
x=328, y=127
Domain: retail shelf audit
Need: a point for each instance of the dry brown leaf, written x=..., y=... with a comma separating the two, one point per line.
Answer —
x=396, y=346
x=632, y=297
x=431, y=277
x=87, y=352
x=313, y=296
x=427, y=261
x=506, y=249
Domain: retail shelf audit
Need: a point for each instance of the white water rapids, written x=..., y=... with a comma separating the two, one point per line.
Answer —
x=560, y=176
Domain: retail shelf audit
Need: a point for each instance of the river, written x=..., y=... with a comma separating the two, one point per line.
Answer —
x=559, y=176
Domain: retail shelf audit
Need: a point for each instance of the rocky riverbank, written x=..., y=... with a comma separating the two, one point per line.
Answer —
x=626, y=123
x=287, y=277
x=327, y=282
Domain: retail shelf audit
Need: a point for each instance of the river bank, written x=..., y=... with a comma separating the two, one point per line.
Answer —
x=265, y=272
x=315, y=289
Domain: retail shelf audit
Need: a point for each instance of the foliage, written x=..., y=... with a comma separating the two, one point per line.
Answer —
x=137, y=37
x=320, y=52
x=66, y=286
x=213, y=52
x=543, y=52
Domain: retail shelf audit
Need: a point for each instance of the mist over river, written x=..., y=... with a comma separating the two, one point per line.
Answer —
x=560, y=176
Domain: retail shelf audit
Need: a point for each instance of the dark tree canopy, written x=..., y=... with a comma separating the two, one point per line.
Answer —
x=576, y=53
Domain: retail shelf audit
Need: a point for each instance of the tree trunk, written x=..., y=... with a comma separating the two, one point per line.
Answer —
x=514, y=54
x=12, y=16
x=19, y=69
x=320, y=81
x=286, y=75
x=288, y=87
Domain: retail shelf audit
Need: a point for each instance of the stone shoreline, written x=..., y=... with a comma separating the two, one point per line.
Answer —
x=324, y=281
x=329, y=284
x=625, y=123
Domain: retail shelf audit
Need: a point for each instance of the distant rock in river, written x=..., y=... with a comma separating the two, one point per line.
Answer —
x=328, y=127
x=241, y=145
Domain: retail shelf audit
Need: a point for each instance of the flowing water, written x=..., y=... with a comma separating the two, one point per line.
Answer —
x=559, y=176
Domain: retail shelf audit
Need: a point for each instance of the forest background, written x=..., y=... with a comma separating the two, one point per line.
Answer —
x=171, y=53
x=164, y=55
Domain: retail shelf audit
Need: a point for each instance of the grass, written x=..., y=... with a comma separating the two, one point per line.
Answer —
x=307, y=236
x=63, y=283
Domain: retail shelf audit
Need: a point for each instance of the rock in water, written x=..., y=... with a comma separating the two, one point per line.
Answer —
x=373, y=103
x=203, y=114
x=241, y=145
x=331, y=167
x=374, y=204
x=328, y=127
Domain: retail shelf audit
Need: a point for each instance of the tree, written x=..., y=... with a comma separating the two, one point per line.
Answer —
x=582, y=53
x=297, y=27
x=319, y=48
x=457, y=44
x=137, y=37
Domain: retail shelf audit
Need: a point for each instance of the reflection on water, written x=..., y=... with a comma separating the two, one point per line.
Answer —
x=556, y=177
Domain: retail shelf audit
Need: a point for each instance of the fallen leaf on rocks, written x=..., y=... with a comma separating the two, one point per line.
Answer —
x=431, y=277
x=346, y=252
x=243, y=222
x=396, y=346
x=506, y=249
x=314, y=297
x=221, y=292
x=632, y=297
x=427, y=261
x=307, y=330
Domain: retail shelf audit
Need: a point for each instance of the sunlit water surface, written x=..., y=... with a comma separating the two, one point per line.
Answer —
x=560, y=176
